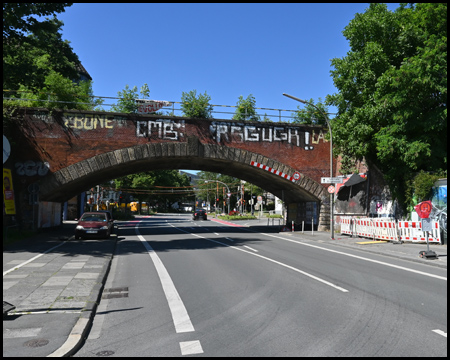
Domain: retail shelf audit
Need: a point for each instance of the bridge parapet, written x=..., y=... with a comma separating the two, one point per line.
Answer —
x=79, y=149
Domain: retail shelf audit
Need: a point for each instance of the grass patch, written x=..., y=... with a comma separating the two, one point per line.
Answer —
x=236, y=217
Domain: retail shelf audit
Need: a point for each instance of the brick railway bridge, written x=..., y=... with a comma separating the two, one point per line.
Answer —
x=68, y=152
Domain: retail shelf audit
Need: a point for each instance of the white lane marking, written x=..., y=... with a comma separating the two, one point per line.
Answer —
x=32, y=259
x=229, y=239
x=440, y=332
x=180, y=316
x=191, y=347
x=248, y=247
x=268, y=259
x=216, y=233
x=361, y=258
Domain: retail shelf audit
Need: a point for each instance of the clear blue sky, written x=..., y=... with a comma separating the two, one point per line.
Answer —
x=227, y=50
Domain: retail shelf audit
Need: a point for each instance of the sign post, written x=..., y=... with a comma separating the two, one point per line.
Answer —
x=423, y=210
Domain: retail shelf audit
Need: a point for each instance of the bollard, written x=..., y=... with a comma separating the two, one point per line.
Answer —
x=312, y=226
x=303, y=226
x=292, y=226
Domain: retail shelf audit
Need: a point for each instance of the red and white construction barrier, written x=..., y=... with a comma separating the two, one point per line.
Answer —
x=412, y=231
x=347, y=225
x=385, y=229
x=389, y=229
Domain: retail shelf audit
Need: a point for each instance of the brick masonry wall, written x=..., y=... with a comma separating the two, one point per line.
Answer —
x=59, y=140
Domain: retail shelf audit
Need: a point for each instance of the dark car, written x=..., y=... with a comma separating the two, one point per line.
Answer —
x=94, y=224
x=199, y=214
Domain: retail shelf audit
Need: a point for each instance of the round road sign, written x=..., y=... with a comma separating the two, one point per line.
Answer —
x=296, y=175
x=423, y=209
x=331, y=189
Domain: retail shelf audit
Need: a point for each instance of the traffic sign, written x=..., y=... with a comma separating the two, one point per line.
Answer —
x=426, y=225
x=423, y=209
x=296, y=175
x=332, y=180
x=331, y=189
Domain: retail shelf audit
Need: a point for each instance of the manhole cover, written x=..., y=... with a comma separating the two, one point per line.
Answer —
x=105, y=353
x=36, y=343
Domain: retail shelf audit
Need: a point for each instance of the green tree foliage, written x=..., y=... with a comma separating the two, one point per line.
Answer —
x=157, y=187
x=59, y=92
x=246, y=109
x=196, y=107
x=126, y=102
x=127, y=99
x=39, y=68
x=26, y=41
x=309, y=115
x=392, y=98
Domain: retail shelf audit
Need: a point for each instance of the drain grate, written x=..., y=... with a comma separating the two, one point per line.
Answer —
x=105, y=353
x=36, y=343
x=118, y=292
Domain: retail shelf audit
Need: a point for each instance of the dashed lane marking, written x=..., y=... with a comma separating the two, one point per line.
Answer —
x=440, y=332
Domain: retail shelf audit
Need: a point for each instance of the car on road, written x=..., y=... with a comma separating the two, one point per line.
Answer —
x=199, y=214
x=98, y=224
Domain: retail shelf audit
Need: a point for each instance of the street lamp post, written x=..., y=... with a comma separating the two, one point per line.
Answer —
x=228, y=191
x=331, y=158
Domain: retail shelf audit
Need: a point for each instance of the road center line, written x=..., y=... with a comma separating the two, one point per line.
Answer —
x=360, y=257
x=248, y=247
x=180, y=316
x=440, y=332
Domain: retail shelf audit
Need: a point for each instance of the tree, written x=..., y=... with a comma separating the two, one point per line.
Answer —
x=246, y=109
x=127, y=100
x=155, y=187
x=310, y=115
x=26, y=40
x=392, y=99
x=196, y=107
x=59, y=92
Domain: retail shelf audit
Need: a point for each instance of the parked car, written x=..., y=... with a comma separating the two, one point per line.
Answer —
x=97, y=224
x=199, y=214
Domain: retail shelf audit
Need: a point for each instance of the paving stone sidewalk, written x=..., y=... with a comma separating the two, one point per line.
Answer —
x=54, y=283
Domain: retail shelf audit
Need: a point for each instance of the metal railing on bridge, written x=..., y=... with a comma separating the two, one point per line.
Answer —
x=273, y=115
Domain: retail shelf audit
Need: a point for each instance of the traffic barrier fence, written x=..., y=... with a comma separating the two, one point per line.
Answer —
x=389, y=229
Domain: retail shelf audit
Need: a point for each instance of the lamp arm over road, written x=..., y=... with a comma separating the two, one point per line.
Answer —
x=331, y=157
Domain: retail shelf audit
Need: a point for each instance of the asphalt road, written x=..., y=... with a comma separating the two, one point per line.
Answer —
x=179, y=287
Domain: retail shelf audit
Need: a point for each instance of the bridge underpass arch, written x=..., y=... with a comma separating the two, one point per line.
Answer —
x=76, y=178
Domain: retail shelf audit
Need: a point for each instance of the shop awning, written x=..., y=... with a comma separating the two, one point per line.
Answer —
x=352, y=180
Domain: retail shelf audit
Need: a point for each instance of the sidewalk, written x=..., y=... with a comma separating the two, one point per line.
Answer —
x=56, y=292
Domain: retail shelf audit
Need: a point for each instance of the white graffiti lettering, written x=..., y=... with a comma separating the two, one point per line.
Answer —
x=221, y=131
x=163, y=129
x=32, y=168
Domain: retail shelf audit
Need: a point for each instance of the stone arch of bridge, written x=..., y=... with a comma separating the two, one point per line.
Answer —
x=76, y=178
